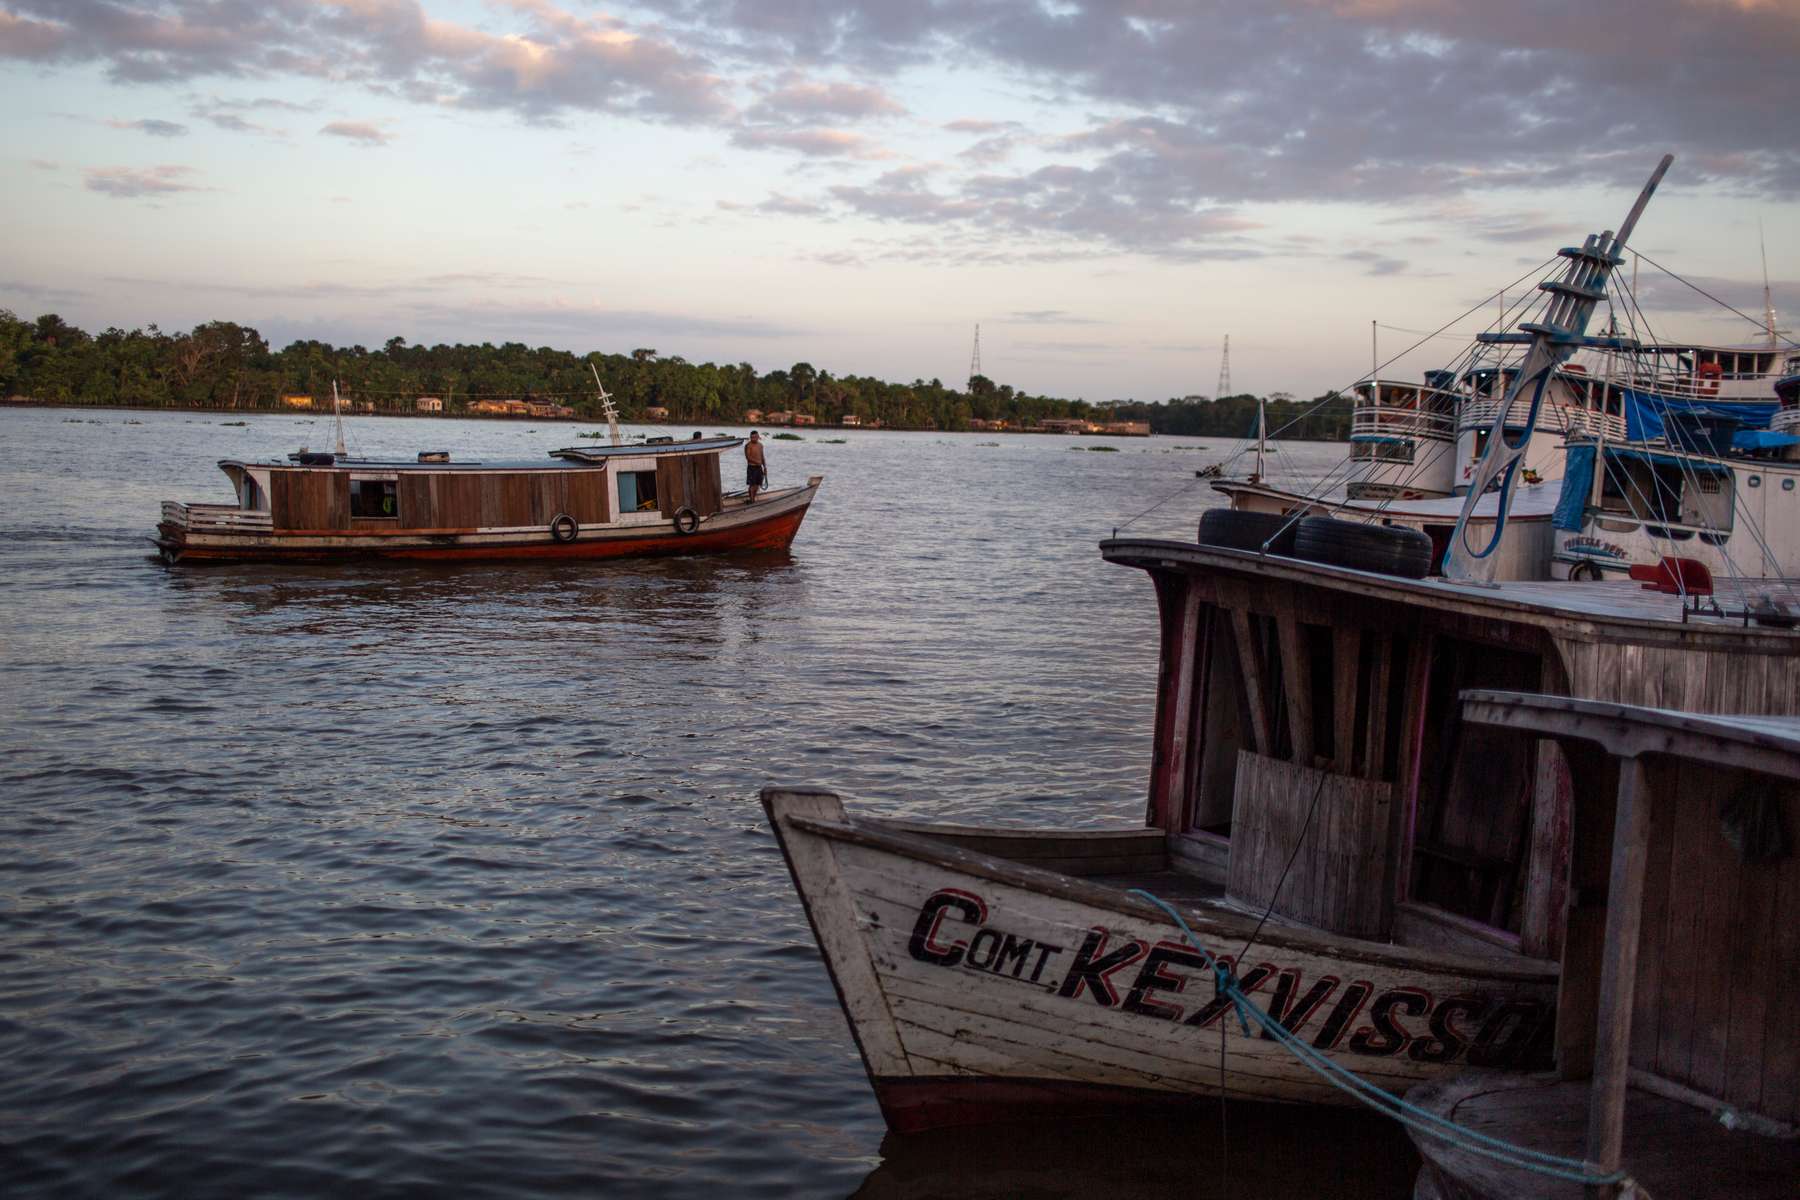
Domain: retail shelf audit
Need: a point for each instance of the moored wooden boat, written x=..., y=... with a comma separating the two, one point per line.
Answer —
x=1678, y=1063
x=581, y=503
x=1311, y=769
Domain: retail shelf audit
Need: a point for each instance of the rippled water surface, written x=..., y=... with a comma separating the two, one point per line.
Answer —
x=452, y=879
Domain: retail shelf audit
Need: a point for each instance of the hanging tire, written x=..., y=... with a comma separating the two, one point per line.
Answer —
x=1237, y=530
x=1383, y=549
x=686, y=520
x=1584, y=572
x=564, y=528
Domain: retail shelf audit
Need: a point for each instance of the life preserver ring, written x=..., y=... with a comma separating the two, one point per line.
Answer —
x=564, y=528
x=686, y=520
x=1707, y=376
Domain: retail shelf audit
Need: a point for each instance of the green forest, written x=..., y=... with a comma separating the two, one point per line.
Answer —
x=222, y=365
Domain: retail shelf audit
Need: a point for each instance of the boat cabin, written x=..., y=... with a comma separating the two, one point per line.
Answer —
x=613, y=485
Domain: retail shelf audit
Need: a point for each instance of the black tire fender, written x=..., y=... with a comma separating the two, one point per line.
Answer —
x=1239, y=530
x=564, y=528
x=1383, y=549
x=686, y=520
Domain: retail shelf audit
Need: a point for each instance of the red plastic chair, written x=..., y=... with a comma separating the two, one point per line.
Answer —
x=1676, y=576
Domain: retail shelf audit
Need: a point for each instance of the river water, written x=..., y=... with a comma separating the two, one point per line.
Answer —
x=452, y=879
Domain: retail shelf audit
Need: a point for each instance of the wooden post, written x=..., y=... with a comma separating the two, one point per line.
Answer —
x=1346, y=649
x=1618, y=974
x=1255, y=690
x=1296, y=684
x=1175, y=730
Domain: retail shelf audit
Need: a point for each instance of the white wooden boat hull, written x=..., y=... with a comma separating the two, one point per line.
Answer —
x=979, y=989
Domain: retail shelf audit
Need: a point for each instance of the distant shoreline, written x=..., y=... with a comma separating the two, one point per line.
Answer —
x=16, y=402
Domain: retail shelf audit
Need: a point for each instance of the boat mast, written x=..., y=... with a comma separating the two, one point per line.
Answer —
x=1549, y=343
x=337, y=413
x=1262, y=434
x=1768, y=300
x=606, y=407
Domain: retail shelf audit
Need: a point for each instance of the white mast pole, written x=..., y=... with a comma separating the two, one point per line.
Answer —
x=606, y=407
x=337, y=412
x=1262, y=430
x=1768, y=299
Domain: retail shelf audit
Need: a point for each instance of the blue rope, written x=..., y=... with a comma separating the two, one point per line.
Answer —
x=1573, y=1170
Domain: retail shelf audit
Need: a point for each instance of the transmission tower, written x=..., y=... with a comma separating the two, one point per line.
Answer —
x=975, y=358
x=1224, y=388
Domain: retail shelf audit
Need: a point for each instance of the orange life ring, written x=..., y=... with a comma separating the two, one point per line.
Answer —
x=1707, y=377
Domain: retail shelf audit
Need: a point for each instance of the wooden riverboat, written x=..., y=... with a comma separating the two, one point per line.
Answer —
x=1678, y=1055
x=1312, y=770
x=656, y=498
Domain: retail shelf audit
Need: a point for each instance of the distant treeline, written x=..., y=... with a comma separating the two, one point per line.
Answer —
x=222, y=365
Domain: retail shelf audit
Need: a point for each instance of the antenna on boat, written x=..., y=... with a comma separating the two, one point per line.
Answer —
x=607, y=409
x=337, y=412
x=1550, y=341
x=1768, y=300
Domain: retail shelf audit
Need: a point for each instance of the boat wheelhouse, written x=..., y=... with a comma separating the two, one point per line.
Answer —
x=651, y=498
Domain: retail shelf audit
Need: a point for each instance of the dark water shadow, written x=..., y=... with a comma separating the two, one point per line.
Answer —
x=1282, y=1150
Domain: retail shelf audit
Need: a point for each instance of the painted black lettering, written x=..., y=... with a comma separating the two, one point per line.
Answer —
x=1213, y=1009
x=1388, y=1036
x=1348, y=1006
x=1445, y=1042
x=1292, y=1014
x=1015, y=951
x=1092, y=968
x=1045, y=953
x=924, y=945
x=1152, y=978
x=984, y=948
x=1505, y=1039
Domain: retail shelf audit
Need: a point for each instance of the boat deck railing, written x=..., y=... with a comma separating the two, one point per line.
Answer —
x=223, y=518
x=1480, y=414
x=1371, y=420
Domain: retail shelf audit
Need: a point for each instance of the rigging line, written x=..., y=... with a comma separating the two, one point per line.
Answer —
x=1192, y=483
x=1696, y=287
x=1339, y=393
x=1691, y=476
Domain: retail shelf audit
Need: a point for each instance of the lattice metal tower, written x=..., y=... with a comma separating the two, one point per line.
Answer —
x=1224, y=388
x=975, y=358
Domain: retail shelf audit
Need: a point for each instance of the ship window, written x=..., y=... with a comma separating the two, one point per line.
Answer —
x=374, y=498
x=253, y=497
x=637, y=491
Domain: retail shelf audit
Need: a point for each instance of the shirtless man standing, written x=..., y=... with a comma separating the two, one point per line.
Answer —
x=756, y=474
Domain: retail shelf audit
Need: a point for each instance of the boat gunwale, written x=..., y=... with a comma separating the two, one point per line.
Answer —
x=1497, y=601
x=1306, y=939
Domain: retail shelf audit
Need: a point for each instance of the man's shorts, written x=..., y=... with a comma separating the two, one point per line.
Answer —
x=754, y=476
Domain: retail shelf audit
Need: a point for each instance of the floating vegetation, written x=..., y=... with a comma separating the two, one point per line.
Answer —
x=832, y=442
x=233, y=424
x=1102, y=449
x=787, y=437
x=596, y=434
x=997, y=443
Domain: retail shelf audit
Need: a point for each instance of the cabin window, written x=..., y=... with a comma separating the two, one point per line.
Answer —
x=1401, y=452
x=253, y=495
x=374, y=498
x=637, y=491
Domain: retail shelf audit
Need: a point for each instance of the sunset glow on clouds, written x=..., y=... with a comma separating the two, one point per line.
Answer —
x=857, y=184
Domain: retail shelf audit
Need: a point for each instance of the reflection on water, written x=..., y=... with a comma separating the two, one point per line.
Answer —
x=451, y=878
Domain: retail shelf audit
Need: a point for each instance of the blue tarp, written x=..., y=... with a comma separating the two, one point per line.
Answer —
x=1577, y=485
x=1644, y=412
x=1762, y=439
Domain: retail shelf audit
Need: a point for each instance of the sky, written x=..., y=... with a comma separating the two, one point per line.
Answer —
x=1107, y=189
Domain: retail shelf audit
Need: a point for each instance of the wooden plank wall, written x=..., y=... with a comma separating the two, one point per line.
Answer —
x=1336, y=881
x=465, y=500
x=1704, y=681
x=309, y=499
x=1719, y=954
x=688, y=481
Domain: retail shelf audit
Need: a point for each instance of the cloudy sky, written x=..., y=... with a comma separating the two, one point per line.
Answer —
x=1108, y=188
